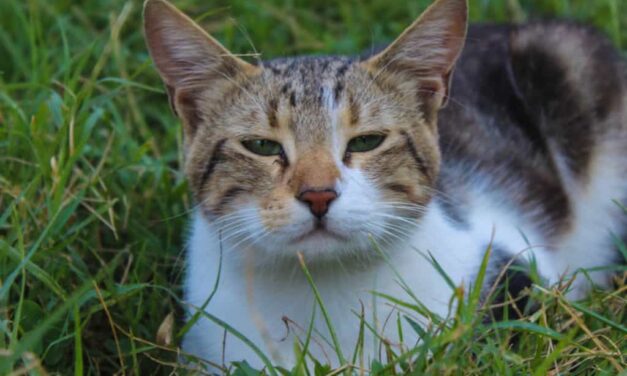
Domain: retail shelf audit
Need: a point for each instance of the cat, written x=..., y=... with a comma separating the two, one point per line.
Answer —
x=354, y=168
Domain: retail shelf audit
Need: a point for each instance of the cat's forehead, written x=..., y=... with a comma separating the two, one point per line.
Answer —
x=308, y=73
x=309, y=92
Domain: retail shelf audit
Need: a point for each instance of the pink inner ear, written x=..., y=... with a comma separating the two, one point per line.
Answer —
x=429, y=88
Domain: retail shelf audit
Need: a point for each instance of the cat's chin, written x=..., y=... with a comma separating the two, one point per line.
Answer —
x=319, y=235
x=321, y=245
x=318, y=245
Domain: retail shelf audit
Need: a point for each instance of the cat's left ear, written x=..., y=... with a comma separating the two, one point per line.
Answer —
x=189, y=60
x=422, y=58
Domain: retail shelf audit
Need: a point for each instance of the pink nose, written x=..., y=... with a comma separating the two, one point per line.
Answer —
x=318, y=200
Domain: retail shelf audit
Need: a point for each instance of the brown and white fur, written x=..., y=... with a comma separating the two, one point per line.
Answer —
x=527, y=157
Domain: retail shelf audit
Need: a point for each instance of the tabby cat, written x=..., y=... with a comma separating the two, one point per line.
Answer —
x=354, y=167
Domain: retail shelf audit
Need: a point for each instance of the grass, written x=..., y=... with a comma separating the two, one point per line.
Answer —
x=93, y=205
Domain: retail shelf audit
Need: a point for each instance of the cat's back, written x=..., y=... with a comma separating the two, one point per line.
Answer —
x=537, y=124
x=537, y=111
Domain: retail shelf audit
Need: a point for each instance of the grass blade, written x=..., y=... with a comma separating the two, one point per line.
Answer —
x=325, y=314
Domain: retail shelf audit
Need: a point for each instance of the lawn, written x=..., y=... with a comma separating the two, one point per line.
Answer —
x=94, y=207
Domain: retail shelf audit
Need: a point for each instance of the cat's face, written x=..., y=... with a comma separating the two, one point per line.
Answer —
x=315, y=154
x=312, y=155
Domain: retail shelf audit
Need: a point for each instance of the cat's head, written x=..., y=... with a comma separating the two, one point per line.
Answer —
x=310, y=154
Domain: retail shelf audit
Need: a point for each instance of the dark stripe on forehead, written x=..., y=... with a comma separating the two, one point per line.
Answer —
x=337, y=91
x=216, y=157
x=342, y=69
x=272, y=109
x=421, y=163
x=293, y=99
x=353, y=107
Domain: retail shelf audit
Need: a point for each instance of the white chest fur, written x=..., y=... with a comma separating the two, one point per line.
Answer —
x=273, y=307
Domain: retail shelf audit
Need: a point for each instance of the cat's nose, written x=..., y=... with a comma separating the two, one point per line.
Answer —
x=318, y=200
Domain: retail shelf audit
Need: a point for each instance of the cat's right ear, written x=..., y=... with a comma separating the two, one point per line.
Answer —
x=189, y=60
x=423, y=57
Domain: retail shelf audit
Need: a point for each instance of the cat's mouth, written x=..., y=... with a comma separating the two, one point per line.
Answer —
x=319, y=230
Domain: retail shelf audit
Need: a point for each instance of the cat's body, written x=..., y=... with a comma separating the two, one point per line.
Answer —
x=527, y=158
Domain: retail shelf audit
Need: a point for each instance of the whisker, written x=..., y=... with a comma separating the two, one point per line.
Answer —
x=395, y=217
x=258, y=235
x=390, y=232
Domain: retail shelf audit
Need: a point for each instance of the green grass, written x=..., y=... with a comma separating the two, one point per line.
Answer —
x=93, y=205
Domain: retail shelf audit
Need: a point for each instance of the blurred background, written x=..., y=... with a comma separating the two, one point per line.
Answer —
x=93, y=206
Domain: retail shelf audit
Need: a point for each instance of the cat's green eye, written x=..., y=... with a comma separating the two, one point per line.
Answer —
x=263, y=147
x=364, y=143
